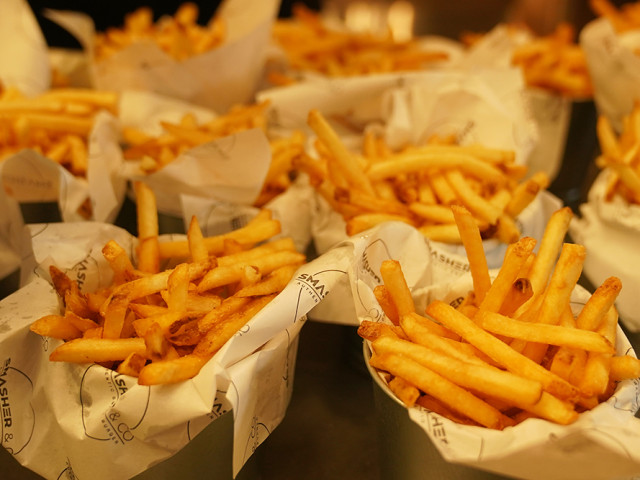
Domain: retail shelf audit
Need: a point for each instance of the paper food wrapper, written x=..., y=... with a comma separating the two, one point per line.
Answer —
x=101, y=425
x=603, y=443
x=29, y=177
x=610, y=231
x=614, y=68
x=551, y=112
x=218, y=79
x=23, y=49
x=15, y=242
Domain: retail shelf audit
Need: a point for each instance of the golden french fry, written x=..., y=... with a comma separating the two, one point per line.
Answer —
x=272, y=283
x=624, y=367
x=544, y=333
x=97, y=350
x=371, y=330
x=148, y=249
x=173, y=370
x=396, y=285
x=197, y=247
x=132, y=365
x=501, y=285
x=520, y=292
x=55, y=326
x=472, y=242
x=404, y=391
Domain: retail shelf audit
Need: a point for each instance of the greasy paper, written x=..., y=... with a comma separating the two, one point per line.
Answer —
x=97, y=424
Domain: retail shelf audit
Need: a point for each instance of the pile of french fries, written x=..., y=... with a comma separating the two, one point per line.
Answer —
x=56, y=124
x=624, y=17
x=555, y=63
x=164, y=318
x=418, y=184
x=619, y=153
x=180, y=35
x=511, y=348
x=311, y=46
x=155, y=152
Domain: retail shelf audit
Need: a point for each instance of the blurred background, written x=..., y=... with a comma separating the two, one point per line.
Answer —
x=419, y=17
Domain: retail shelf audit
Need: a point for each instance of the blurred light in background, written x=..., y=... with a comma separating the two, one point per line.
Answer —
x=378, y=18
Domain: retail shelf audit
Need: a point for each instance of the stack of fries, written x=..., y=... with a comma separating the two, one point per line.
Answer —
x=417, y=185
x=311, y=46
x=56, y=124
x=623, y=18
x=555, y=63
x=180, y=35
x=512, y=348
x=154, y=152
x=164, y=318
x=620, y=155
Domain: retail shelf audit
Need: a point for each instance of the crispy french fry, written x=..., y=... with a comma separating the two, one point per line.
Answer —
x=97, y=350
x=544, y=333
x=472, y=242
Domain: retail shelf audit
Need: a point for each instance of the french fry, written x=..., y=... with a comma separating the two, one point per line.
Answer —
x=472, y=242
x=397, y=287
x=97, y=350
x=541, y=333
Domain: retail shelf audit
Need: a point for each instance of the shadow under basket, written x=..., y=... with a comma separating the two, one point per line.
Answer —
x=207, y=456
x=409, y=453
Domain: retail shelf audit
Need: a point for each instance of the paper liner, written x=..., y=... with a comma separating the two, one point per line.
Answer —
x=610, y=231
x=100, y=425
x=602, y=443
x=613, y=67
x=23, y=49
